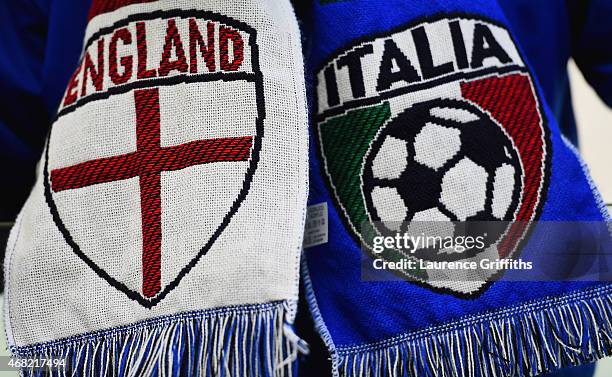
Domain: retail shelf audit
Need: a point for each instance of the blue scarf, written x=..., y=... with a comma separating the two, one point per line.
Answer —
x=395, y=85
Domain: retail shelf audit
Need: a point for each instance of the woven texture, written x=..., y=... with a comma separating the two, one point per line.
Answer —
x=174, y=177
x=432, y=112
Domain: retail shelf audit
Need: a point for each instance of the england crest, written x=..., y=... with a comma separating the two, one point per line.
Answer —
x=155, y=145
x=435, y=121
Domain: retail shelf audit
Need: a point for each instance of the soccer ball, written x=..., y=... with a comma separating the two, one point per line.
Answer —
x=441, y=160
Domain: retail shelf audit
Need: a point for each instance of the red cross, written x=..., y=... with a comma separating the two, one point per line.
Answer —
x=147, y=163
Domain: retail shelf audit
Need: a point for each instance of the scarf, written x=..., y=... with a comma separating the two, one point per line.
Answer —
x=428, y=114
x=163, y=233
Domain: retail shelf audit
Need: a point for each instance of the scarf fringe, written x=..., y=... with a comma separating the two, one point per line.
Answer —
x=236, y=341
x=523, y=344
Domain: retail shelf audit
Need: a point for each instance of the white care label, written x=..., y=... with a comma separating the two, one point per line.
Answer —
x=316, y=229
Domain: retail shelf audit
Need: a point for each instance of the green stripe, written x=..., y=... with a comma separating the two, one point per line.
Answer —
x=345, y=141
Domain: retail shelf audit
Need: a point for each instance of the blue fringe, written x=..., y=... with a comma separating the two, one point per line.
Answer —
x=525, y=341
x=252, y=340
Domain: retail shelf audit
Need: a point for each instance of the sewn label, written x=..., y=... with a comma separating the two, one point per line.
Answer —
x=316, y=229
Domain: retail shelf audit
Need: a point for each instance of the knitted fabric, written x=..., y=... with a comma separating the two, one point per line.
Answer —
x=170, y=197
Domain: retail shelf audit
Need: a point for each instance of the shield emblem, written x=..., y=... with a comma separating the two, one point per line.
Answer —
x=436, y=121
x=155, y=146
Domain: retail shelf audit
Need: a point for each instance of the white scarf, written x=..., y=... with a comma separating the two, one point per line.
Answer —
x=163, y=233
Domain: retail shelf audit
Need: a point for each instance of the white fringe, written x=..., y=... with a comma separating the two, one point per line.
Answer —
x=521, y=343
x=252, y=340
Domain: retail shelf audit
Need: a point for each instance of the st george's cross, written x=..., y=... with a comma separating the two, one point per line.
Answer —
x=147, y=163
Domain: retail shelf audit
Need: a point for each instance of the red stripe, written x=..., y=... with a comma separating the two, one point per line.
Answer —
x=511, y=101
x=108, y=169
x=150, y=211
x=89, y=173
x=105, y=6
x=205, y=151
x=147, y=123
x=148, y=144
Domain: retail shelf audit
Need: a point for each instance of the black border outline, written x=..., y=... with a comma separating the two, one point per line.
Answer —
x=157, y=82
x=259, y=133
x=353, y=104
x=546, y=169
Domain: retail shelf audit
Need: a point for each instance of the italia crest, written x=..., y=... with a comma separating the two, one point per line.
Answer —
x=155, y=145
x=435, y=121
